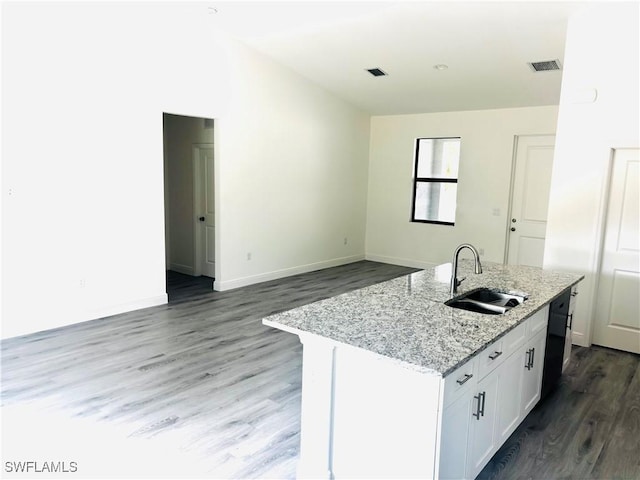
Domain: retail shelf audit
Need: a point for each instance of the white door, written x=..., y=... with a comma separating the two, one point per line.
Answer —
x=204, y=209
x=617, y=320
x=530, y=199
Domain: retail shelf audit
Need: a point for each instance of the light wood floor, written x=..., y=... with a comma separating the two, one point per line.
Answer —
x=196, y=388
x=200, y=388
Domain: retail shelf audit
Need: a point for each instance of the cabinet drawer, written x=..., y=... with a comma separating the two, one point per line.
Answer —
x=491, y=357
x=460, y=380
x=537, y=322
x=515, y=339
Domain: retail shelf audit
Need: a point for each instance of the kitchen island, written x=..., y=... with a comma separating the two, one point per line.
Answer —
x=393, y=379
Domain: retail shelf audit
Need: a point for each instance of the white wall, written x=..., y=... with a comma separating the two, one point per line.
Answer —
x=293, y=184
x=608, y=62
x=483, y=185
x=84, y=89
x=180, y=134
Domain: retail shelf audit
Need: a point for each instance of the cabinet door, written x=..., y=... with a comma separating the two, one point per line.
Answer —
x=453, y=441
x=482, y=440
x=532, y=363
x=509, y=411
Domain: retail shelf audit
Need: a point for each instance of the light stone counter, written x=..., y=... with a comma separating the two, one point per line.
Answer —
x=405, y=319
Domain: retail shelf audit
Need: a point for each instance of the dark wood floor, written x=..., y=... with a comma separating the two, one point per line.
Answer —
x=200, y=388
x=588, y=428
x=181, y=287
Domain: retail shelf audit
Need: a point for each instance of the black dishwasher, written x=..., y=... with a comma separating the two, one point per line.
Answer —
x=556, y=334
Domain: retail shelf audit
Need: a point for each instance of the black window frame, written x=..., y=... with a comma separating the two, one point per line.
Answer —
x=417, y=180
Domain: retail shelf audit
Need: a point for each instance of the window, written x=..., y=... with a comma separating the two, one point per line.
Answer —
x=435, y=180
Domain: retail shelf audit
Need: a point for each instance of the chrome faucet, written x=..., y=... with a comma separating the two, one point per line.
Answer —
x=454, y=267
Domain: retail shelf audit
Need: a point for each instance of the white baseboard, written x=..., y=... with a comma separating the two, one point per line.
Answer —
x=177, y=267
x=128, y=306
x=77, y=317
x=404, y=262
x=287, y=272
x=578, y=338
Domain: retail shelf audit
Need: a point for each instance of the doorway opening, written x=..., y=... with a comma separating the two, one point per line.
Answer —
x=188, y=144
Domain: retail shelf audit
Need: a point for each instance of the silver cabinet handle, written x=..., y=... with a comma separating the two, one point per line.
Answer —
x=530, y=356
x=533, y=355
x=464, y=379
x=477, y=414
x=495, y=355
x=480, y=406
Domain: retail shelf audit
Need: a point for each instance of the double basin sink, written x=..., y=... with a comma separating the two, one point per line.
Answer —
x=486, y=300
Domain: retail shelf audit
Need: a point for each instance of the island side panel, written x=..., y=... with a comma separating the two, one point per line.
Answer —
x=385, y=418
x=365, y=416
x=316, y=418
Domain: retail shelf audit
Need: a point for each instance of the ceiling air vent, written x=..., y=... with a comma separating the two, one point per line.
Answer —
x=545, y=66
x=376, y=72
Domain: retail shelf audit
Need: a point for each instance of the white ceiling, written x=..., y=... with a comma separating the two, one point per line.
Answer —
x=486, y=45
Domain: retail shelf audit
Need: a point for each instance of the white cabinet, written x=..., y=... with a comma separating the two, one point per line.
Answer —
x=453, y=441
x=509, y=397
x=482, y=439
x=459, y=389
x=496, y=393
x=364, y=416
x=467, y=438
x=533, y=361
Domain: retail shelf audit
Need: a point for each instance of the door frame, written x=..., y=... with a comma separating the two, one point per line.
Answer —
x=512, y=181
x=598, y=246
x=198, y=227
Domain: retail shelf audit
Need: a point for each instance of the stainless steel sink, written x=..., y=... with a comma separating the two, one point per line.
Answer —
x=486, y=300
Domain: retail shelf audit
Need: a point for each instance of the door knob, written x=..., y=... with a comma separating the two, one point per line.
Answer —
x=201, y=219
x=513, y=229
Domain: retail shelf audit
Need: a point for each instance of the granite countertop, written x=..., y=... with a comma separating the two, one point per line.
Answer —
x=405, y=319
